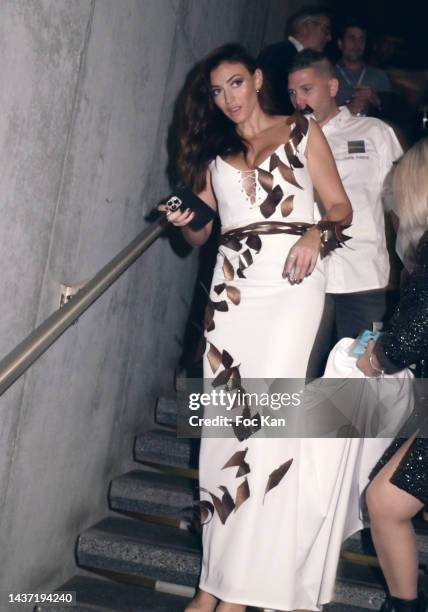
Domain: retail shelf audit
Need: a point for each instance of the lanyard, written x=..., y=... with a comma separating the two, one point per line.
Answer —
x=345, y=76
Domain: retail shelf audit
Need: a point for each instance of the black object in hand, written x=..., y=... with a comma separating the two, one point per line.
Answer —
x=185, y=198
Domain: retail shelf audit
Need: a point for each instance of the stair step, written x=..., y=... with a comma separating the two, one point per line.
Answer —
x=360, y=574
x=349, y=597
x=361, y=543
x=162, y=552
x=96, y=595
x=360, y=588
x=152, y=493
x=137, y=551
x=137, y=548
x=93, y=594
x=163, y=448
x=166, y=412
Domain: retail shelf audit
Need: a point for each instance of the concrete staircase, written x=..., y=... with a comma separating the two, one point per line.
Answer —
x=146, y=559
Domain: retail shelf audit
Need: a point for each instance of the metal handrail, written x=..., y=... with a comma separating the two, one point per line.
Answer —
x=35, y=344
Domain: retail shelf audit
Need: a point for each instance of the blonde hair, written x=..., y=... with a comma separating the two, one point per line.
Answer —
x=410, y=186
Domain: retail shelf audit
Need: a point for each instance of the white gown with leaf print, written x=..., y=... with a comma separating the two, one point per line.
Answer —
x=280, y=507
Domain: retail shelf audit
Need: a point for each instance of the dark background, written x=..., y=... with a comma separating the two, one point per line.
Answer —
x=408, y=20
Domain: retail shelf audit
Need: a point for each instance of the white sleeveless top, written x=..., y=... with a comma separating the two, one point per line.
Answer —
x=279, y=189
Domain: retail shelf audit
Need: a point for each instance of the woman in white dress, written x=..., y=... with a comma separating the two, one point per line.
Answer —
x=268, y=538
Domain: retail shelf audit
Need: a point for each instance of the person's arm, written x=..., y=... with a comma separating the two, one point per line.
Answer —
x=389, y=150
x=403, y=344
x=181, y=219
x=364, y=95
x=406, y=339
x=325, y=177
x=302, y=258
x=368, y=364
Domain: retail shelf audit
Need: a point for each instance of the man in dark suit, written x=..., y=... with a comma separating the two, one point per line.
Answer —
x=309, y=28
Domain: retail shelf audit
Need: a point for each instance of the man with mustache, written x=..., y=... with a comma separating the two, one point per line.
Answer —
x=365, y=149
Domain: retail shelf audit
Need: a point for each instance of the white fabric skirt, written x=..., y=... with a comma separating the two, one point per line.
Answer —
x=280, y=548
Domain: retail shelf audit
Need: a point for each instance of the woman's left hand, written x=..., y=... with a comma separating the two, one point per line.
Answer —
x=363, y=362
x=302, y=257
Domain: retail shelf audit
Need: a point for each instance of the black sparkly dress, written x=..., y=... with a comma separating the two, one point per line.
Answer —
x=405, y=342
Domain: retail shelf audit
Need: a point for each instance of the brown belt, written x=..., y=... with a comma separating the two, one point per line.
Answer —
x=332, y=236
x=232, y=239
x=250, y=234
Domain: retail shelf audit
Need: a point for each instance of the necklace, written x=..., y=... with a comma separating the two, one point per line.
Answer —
x=347, y=79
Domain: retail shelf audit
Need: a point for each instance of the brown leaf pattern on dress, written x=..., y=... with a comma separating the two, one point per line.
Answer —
x=224, y=506
x=292, y=158
x=268, y=206
x=211, y=306
x=285, y=171
x=232, y=243
x=226, y=359
x=254, y=242
x=265, y=179
x=226, y=500
x=245, y=261
x=214, y=357
x=233, y=294
x=332, y=236
x=251, y=235
x=235, y=378
x=209, y=317
x=221, y=306
x=277, y=475
x=242, y=494
x=230, y=377
x=274, y=159
x=300, y=127
x=238, y=460
x=296, y=136
x=287, y=205
x=205, y=509
x=228, y=271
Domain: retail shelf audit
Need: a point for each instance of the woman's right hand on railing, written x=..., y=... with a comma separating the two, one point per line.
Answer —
x=178, y=218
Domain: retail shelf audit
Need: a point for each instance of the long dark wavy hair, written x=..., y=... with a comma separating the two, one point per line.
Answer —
x=204, y=130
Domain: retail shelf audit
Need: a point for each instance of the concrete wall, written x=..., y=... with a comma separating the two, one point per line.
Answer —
x=86, y=96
